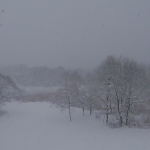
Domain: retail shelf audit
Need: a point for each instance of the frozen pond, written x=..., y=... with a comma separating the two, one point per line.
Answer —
x=35, y=90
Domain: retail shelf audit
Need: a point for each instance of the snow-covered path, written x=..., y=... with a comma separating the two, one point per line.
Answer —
x=37, y=126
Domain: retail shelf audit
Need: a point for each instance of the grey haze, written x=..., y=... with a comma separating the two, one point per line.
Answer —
x=73, y=33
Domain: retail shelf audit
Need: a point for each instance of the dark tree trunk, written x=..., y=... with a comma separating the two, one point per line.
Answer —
x=83, y=110
x=69, y=112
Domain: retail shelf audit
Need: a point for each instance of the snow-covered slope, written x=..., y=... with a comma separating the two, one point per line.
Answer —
x=8, y=89
x=37, y=126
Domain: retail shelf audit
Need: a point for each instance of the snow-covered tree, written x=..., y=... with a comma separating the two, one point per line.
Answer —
x=64, y=96
x=122, y=81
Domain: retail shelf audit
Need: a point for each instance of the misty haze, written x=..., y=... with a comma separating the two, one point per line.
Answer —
x=74, y=75
x=73, y=34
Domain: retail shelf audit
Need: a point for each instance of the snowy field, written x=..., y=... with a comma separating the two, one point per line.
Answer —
x=38, y=126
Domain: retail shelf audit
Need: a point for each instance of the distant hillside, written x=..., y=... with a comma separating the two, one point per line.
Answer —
x=35, y=76
x=8, y=89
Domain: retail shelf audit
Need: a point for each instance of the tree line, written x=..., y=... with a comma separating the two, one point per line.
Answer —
x=119, y=88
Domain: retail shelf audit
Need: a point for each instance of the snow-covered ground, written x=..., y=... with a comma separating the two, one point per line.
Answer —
x=37, y=126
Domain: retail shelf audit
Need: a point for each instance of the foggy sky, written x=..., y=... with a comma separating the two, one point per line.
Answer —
x=73, y=33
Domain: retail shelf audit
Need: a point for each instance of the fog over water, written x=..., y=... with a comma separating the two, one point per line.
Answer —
x=73, y=34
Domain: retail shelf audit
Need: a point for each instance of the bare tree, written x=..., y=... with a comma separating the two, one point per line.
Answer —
x=125, y=81
x=135, y=84
x=67, y=92
x=104, y=86
x=90, y=92
x=78, y=88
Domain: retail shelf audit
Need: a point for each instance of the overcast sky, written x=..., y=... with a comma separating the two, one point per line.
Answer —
x=73, y=33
